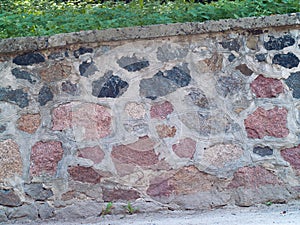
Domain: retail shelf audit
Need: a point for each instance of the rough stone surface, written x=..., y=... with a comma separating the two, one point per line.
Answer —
x=10, y=159
x=163, y=83
x=23, y=74
x=232, y=45
x=132, y=64
x=264, y=87
x=87, y=69
x=29, y=59
x=293, y=82
x=84, y=174
x=292, y=155
x=279, y=43
x=167, y=53
x=89, y=121
x=82, y=51
x=161, y=110
x=109, y=86
x=215, y=62
x=45, y=211
x=135, y=110
x=29, y=123
x=185, y=148
x=45, y=95
x=263, y=123
x=37, y=191
x=114, y=195
x=17, y=96
x=3, y=217
x=263, y=151
x=24, y=211
x=289, y=60
x=198, y=98
x=231, y=57
x=44, y=157
x=243, y=68
x=9, y=198
x=2, y=128
x=229, y=85
x=261, y=57
x=165, y=131
x=70, y=88
x=93, y=153
x=55, y=72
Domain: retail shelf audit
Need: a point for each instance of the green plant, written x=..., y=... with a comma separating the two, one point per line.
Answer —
x=130, y=209
x=107, y=210
x=269, y=203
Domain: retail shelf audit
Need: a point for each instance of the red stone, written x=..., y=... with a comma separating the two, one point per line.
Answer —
x=160, y=187
x=263, y=123
x=165, y=131
x=264, y=87
x=84, y=174
x=29, y=123
x=93, y=153
x=161, y=110
x=113, y=195
x=292, y=155
x=62, y=117
x=44, y=157
x=253, y=177
x=185, y=148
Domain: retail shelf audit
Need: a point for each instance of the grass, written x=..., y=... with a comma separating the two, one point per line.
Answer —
x=47, y=17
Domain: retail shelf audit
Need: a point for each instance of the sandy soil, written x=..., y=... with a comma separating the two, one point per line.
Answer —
x=259, y=215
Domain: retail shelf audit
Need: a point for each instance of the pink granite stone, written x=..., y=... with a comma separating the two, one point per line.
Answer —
x=292, y=155
x=84, y=174
x=62, y=117
x=161, y=110
x=29, y=123
x=264, y=87
x=165, y=131
x=185, y=148
x=93, y=153
x=263, y=123
x=44, y=157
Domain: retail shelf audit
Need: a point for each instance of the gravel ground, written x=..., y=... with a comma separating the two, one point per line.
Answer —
x=259, y=215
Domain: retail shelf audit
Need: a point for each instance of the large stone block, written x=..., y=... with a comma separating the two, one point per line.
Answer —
x=9, y=198
x=292, y=155
x=114, y=195
x=161, y=110
x=18, y=96
x=264, y=87
x=185, y=148
x=84, y=174
x=93, y=153
x=29, y=123
x=29, y=59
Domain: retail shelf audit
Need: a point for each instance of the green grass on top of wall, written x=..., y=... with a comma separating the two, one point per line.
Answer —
x=19, y=18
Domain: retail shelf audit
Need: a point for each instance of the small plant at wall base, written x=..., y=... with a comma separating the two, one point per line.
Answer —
x=47, y=17
x=107, y=210
x=130, y=209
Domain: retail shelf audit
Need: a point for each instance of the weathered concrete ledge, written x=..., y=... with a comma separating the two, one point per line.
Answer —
x=26, y=44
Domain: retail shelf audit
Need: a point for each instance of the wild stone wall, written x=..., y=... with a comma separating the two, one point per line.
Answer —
x=199, y=118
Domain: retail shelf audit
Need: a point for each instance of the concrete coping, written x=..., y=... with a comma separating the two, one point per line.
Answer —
x=27, y=44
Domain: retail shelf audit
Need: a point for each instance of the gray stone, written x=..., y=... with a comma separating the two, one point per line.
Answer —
x=37, y=191
x=79, y=210
x=231, y=57
x=22, y=74
x=109, y=86
x=279, y=43
x=229, y=85
x=70, y=88
x=57, y=55
x=9, y=198
x=17, y=96
x=261, y=57
x=263, y=151
x=45, y=211
x=2, y=128
x=81, y=51
x=87, y=69
x=289, y=60
x=29, y=59
x=293, y=82
x=27, y=211
x=132, y=64
x=167, y=53
x=198, y=98
x=45, y=95
x=3, y=217
x=232, y=45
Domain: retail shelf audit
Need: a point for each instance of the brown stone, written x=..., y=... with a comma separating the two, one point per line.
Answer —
x=161, y=110
x=243, y=68
x=264, y=87
x=93, y=153
x=165, y=131
x=89, y=121
x=44, y=157
x=55, y=72
x=185, y=148
x=263, y=123
x=29, y=123
x=114, y=195
x=253, y=177
x=84, y=174
x=215, y=62
x=292, y=155
x=10, y=159
x=9, y=198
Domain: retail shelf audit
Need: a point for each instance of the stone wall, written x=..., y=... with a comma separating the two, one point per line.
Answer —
x=182, y=116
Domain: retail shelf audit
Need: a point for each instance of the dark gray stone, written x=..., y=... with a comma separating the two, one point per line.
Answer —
x=198, y=98
x=87, y=69
x=162, y=84
x=293, y=82
x=57, y=55
x=243, y=68
x=45, y=95
x=29, y=59
x=22, y=74
x=132, y=64
x=37, y=191
x=9, y=198
x=279, y=43
x=14, y=96
x=231, y=57
x=2, y=128
x=24, y=211
x=70, y=88
x=109, y=86
x=166, y=53
x=229, y=85
x=81, y=51
x=288, y=60
x=261, y=57
x=3, y=217
x=45, y=211
x=232, y=45
x=263, y=151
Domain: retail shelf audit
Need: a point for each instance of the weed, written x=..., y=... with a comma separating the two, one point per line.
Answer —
x=107, y=210
x=268, y=203
x=130, y=209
